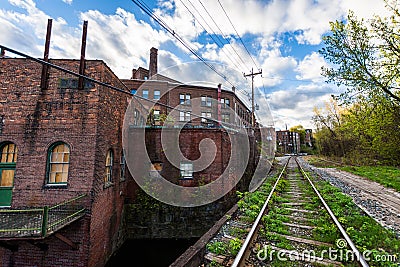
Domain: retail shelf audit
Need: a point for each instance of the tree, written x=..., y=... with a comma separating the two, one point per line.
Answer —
x=302, y=132
x=365, y=55
x=330, y=137
x=365, y=132
x=375, y=127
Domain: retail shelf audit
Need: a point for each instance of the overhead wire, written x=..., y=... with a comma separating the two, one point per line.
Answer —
x=159, y=20
x=164, y=25
x=237, y=34
x=223, y=35
x=125, y=90
x=217, y=42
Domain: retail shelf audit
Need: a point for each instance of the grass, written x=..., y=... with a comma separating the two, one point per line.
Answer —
x=365, y=232
x=388, y=176
x=385, y=175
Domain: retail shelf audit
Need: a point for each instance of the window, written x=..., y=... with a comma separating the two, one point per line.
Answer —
x=184, y=116
x=145, y=93
x=58, y=164
x=136, y=117
x=109, y=167
x=156, y=94
x=141, y=121
x=9, y=153
x=73, y=83
x=226, y=118
x=204, y=116
x=156, y=115
x=225, y=102
x=186, y=170
x=184, y=99
x=123, y=166
x=206, y=101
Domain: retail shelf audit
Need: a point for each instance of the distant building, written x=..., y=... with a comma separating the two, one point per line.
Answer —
x=308, y=138
x=287, y=142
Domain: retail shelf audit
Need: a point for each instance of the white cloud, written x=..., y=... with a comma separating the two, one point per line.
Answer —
x=295, y=106
x=123, y=43
x=365, y=9
x=26, y=31
x=120, y=40
x=275, y=66
x=310, y=67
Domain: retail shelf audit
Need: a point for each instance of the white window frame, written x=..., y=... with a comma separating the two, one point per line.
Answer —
x=156, y=96
x=186, y=170
x=184, y=115
x=146, y=96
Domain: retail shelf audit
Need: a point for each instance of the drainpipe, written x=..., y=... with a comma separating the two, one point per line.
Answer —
x=219, y=104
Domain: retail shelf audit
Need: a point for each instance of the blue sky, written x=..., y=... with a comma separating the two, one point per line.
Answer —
x=282, y=37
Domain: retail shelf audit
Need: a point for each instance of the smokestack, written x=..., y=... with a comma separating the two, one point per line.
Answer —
x=153, y=63
x=219, y=104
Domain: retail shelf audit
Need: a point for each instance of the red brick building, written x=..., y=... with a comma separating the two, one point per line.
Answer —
x=62, y=154
x=57, y=143
x=288, y=142
x=201, y=111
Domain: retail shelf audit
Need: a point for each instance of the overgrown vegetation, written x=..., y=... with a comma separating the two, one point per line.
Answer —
x=363, y=230
x=364, y=133
x=363, y=123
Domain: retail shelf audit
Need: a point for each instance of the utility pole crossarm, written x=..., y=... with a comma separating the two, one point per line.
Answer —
x=252, y=74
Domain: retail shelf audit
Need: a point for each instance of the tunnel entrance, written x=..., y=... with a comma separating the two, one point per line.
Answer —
x=149, y=252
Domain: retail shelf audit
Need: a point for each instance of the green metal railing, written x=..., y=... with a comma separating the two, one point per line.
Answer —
x=40, y=222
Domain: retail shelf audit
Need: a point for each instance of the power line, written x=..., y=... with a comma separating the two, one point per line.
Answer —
x=125, y=90
x=149, y=12
x=212, y=37
x=284, y=79
x=223, y=35
x=237, y=34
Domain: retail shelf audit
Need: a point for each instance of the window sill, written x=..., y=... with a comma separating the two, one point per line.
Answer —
x=56, y=186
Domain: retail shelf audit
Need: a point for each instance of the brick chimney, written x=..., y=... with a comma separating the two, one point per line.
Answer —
x=153, y=63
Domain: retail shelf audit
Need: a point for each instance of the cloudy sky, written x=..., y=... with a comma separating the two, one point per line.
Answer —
x=279, y=37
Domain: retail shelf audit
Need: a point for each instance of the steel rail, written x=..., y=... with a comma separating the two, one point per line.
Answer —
x=359, y=256
x=243, y=252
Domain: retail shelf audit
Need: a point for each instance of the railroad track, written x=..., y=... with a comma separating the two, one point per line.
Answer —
x=293, y=206
x=282, y=235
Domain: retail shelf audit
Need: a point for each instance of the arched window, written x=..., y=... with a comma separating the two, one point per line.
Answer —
x=109, y=167
x=9, y=153
x=58, y=163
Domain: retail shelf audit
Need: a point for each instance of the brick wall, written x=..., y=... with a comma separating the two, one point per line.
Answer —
x=150, y=218
x=90, y=122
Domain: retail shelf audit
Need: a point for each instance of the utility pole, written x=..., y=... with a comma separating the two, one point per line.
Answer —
x=252, y=74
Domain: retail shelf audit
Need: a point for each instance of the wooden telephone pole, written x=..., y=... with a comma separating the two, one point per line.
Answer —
x=252, y=74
